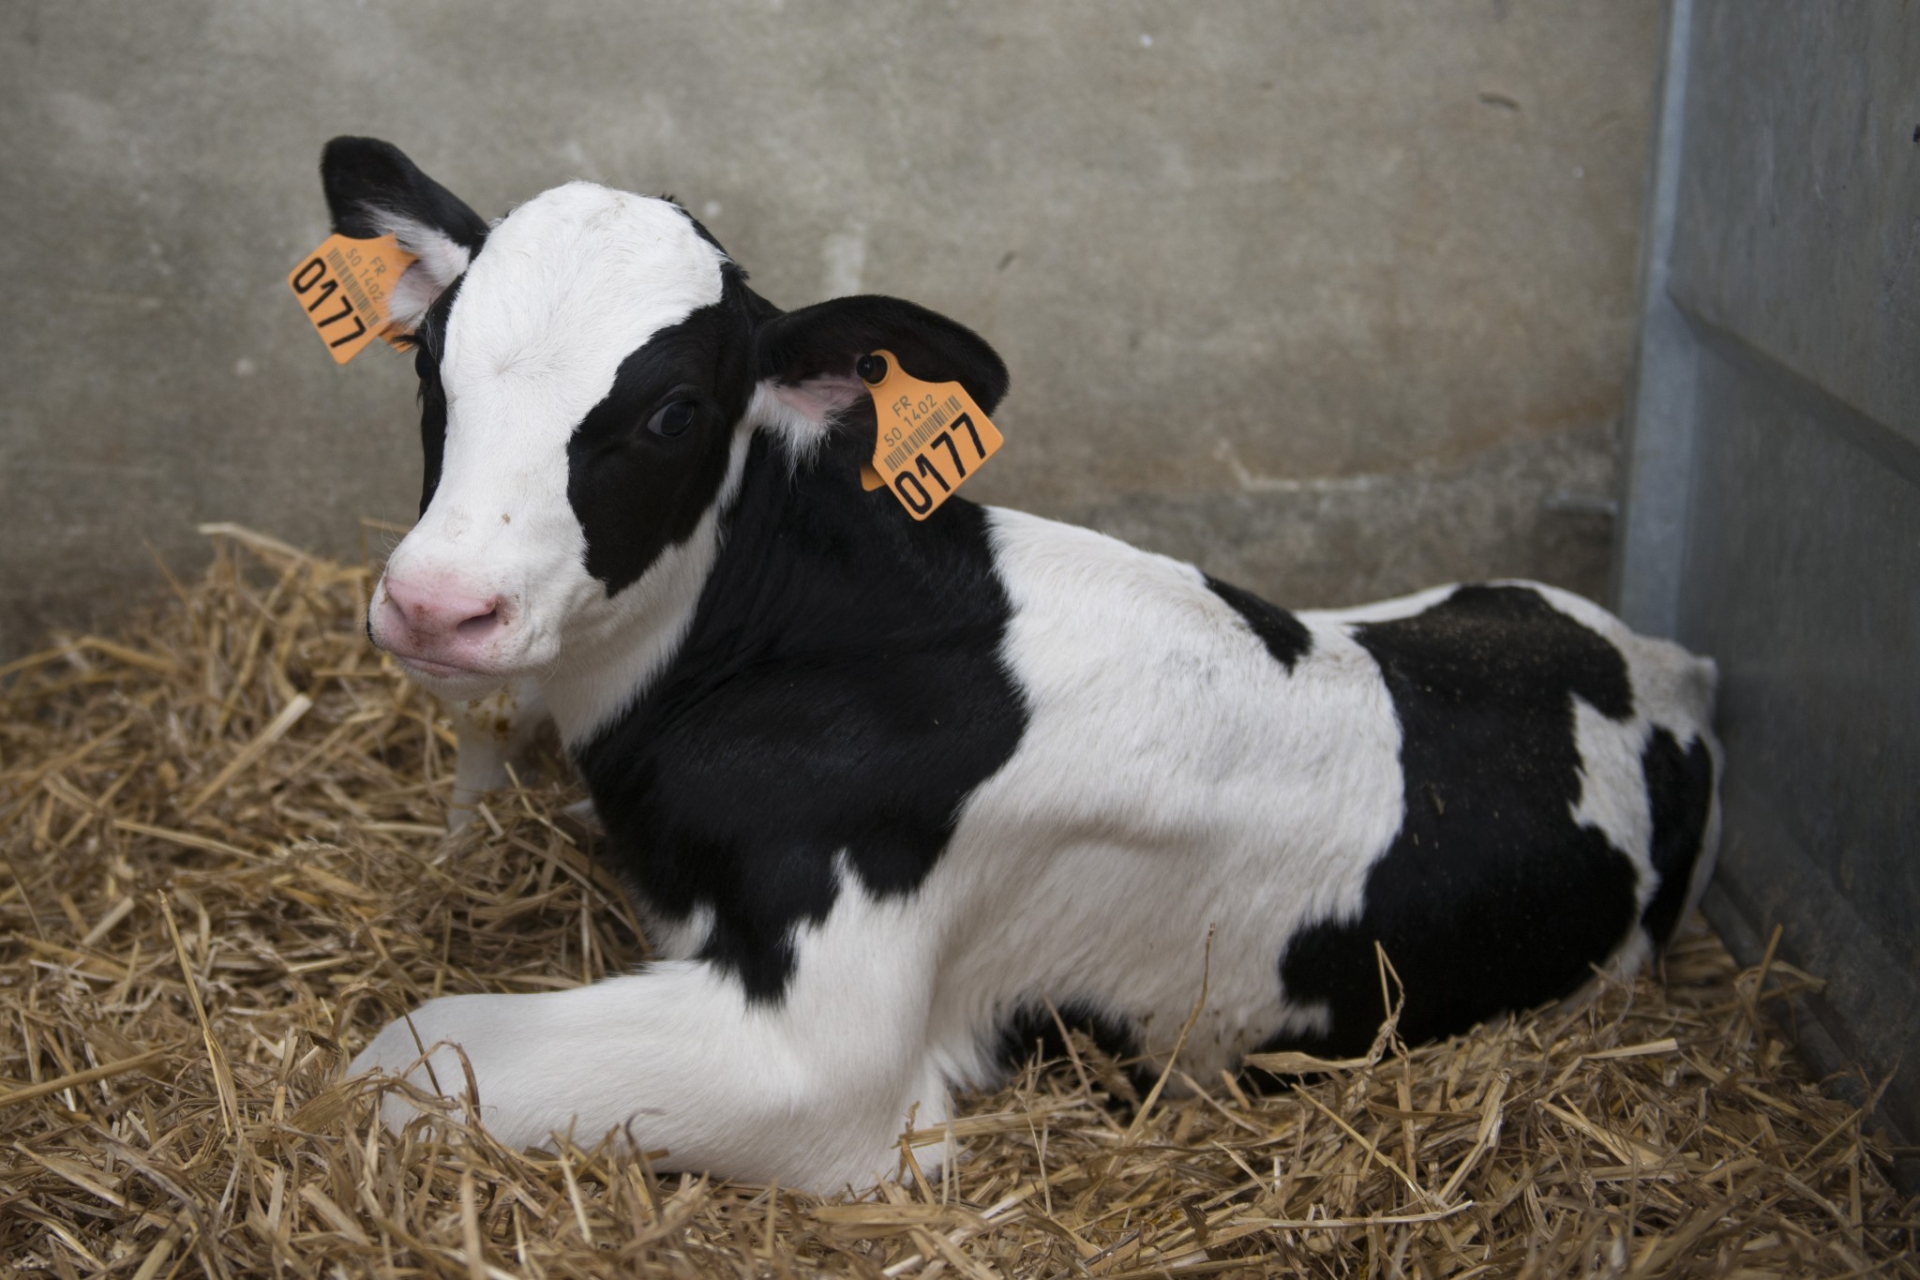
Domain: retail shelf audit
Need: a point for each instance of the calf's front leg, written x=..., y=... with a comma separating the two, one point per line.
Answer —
x=812, y=1089
x=492, y=732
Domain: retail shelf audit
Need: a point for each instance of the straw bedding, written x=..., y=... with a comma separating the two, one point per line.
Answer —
x=225, y=868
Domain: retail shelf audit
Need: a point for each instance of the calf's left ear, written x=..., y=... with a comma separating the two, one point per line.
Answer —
x=374, y=190
x=806, y=357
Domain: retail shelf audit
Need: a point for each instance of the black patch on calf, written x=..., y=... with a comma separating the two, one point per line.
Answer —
x=840, y=693
x=1031, y=1032
x=433, y=423
x=636, y=493
x=1285, y=636
x=1491, y=897
x=1680, y=793
x=428, y=343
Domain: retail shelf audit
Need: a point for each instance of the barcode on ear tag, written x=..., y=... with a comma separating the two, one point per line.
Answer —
x=932, y=438
x=344, y=287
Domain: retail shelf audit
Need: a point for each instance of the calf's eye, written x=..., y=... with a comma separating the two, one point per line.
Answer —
x=672, y=419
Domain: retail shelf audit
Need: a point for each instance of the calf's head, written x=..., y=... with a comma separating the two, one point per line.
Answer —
x=591, y=369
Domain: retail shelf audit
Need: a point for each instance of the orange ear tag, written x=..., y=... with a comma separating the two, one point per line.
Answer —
x=344, y=286
x=932, y=436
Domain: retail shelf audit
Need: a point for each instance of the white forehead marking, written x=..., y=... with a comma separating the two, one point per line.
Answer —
x=566, y=287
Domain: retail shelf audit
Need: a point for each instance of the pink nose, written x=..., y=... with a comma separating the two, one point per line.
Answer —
x=437, y=623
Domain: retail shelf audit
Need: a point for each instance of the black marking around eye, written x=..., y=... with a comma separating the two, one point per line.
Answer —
x=636, y=493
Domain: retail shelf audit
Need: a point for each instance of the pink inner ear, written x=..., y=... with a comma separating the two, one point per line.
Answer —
x=818, y=399
x=412, y=297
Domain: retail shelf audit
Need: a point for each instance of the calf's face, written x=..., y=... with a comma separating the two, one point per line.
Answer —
x=590, y=369
x=583, y=366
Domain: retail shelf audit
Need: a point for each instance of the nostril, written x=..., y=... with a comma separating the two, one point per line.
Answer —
x=395, y=614
x=426, y=618
x=472, y=628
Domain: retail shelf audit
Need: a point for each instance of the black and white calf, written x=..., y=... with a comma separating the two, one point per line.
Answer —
x=889, y=788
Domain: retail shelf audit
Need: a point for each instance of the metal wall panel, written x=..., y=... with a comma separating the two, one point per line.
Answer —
x=1772, y=512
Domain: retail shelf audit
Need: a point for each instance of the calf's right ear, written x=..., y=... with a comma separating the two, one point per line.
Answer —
x=808, y=357
x=374, y=190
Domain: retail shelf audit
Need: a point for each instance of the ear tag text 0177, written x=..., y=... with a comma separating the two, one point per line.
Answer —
x=344, y=287
x=931, y=437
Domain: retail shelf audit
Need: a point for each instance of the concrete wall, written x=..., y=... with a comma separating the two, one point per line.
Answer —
x=1335, y=298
